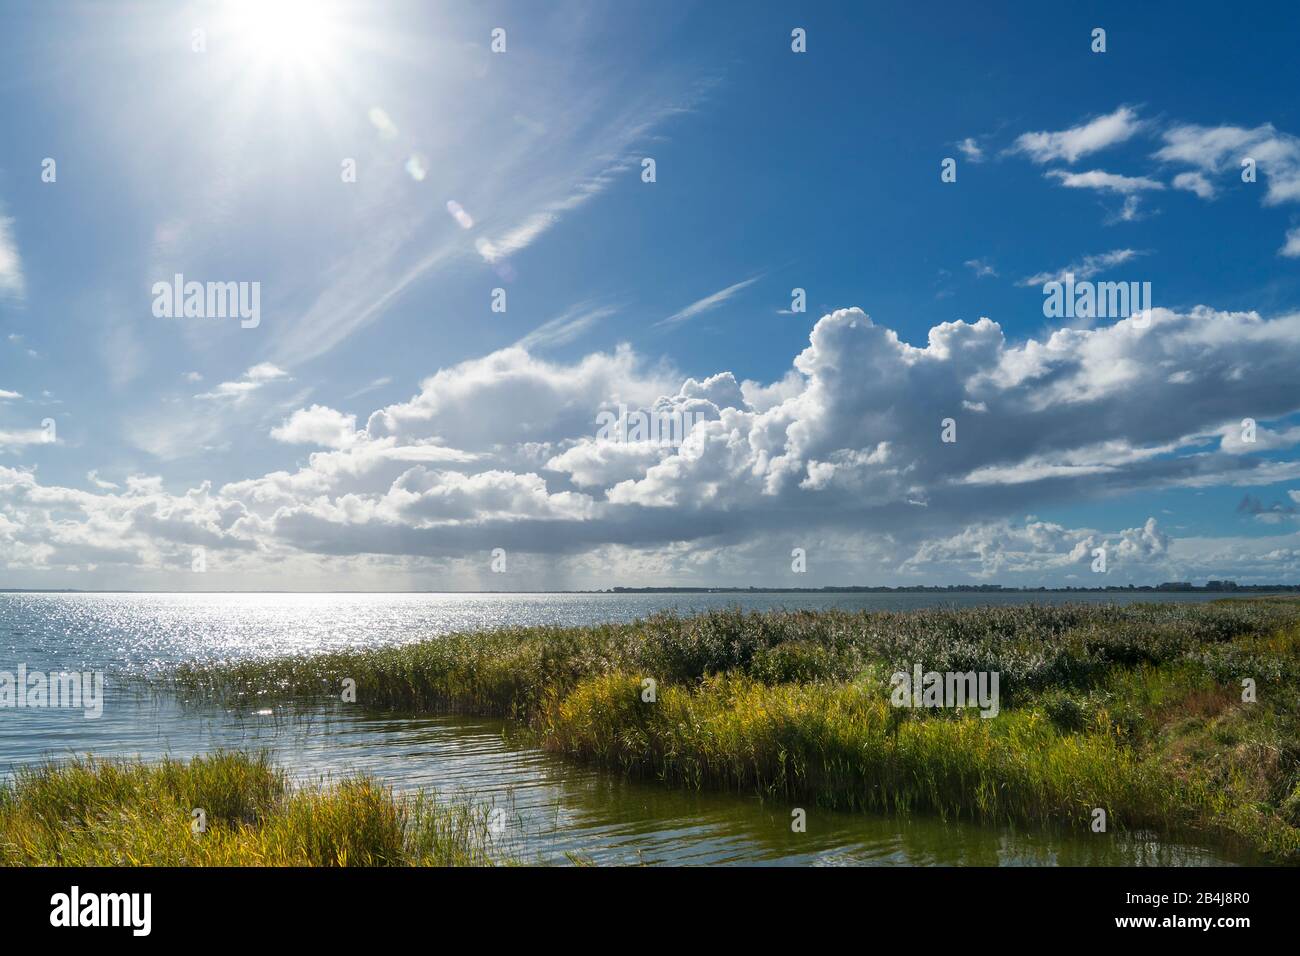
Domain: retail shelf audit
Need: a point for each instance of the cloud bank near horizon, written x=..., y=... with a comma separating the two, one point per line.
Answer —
x=843, y=456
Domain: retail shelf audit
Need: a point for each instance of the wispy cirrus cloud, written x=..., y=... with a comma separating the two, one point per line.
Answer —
x=371, y=386
x=510, y=197
x=1084, y=268
x=708, y=303
x=565, y=327
x=521, y=235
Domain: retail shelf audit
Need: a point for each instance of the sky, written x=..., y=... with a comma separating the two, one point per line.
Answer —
x=527, y=296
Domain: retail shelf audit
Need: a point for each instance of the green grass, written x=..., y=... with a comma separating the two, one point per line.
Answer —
x=128, y=813
x=1137, y=710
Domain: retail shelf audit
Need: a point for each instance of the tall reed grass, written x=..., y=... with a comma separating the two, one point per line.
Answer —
x=91, y=812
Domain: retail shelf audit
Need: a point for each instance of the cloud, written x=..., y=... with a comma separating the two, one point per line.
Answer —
x=174, y=429
x=252, y=380
x=1130, y=187
x=1196, y=183
x=708, y=303
x=524, y=233
x=317, y=425
x=1274, y=513
x=1110, y=182
x=264, y=372
x=603, y=461
x=11, y=268
x=1001, y=549
x=566, y=327
x=1291, y=248
x=1217, y=149
x=92, y=476
x=1071, y=144
x=13, y=438
x=1129, y=212
x=512, y=396
x=864, y=387
x=1085, y=268
x=844, y=451
x=971, y=150
x=982, y=268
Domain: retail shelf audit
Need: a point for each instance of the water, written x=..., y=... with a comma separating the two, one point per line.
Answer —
x=554, y=809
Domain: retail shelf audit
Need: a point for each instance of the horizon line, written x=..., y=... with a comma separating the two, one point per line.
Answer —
x=1168, y=587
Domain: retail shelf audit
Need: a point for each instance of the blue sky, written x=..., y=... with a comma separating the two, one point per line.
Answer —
x=380, y=425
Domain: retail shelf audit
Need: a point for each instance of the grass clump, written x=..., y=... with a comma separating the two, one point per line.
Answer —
x=91, y=812
x=846, y=746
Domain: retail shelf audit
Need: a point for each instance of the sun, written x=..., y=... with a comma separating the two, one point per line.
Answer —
x=285, y=33
x=296, y=60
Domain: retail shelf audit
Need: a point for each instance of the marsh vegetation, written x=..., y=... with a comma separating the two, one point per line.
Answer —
x=1142, y=711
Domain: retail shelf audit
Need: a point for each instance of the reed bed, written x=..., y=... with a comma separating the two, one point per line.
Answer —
x=91, y=812
x=844, y=745
x=1137, y=710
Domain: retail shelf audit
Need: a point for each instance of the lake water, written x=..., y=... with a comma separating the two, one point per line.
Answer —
x=553, y=807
